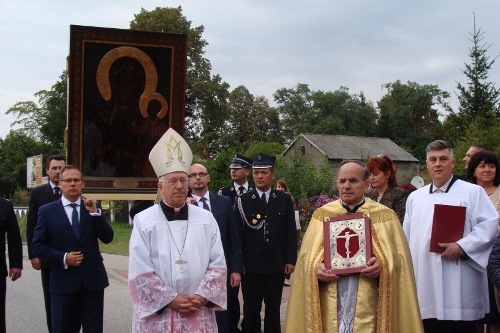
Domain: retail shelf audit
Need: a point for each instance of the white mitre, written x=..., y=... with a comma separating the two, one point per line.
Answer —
x=170, y=154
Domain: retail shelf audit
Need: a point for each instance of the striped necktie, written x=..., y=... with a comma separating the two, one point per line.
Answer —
x=205, y=205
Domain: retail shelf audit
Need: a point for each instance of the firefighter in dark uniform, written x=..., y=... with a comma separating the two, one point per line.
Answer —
x=240, y=169
x=269, y=240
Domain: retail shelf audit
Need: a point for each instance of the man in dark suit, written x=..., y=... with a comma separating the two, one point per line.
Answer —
x=222, y=210
x=8, y=224
x=239, y=171
x=269, y=240
x=40, y=196
x=66, y=236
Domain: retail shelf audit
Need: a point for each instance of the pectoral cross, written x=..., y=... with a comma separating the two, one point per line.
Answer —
x=181, y=263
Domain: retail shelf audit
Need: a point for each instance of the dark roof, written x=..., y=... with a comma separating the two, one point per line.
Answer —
x=343, y=147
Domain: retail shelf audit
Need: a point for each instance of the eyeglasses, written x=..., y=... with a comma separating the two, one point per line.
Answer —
x=199, y=174
x=173, y=182
x=71, y=180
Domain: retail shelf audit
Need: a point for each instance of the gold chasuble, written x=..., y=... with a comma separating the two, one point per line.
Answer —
x=312, y=306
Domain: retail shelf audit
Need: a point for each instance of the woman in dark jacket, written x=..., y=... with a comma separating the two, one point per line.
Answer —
x=384, y=189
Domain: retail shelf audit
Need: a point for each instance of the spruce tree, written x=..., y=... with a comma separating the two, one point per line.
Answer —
x=479, y=98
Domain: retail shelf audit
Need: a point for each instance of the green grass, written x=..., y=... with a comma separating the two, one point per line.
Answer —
x=119, y=245
x=22, y=225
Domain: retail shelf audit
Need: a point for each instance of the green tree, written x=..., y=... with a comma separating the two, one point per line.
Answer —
x=339, y=112
x=479, y=98
x=206, y=95
x=304, y=111
x=250, y=119
x=15, y=148
x=293, y=105
x=409, y=114
x=304, y=178
x=265, y=147
x=45, y=121
x=476, y=134
x=219, y=170
x=237, y=130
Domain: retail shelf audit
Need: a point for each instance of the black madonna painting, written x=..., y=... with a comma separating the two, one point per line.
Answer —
x=126, y=88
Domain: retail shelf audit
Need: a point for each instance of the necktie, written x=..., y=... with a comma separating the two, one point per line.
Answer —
x=205, y=205
x=263, y=199
x=241, y=189
x=74, y=218
x=57, y=192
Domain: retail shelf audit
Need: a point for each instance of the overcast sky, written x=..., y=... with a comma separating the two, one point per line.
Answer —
x=267, y=44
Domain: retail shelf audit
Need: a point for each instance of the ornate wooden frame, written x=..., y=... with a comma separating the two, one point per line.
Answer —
x=126, y=87
x=338, y=231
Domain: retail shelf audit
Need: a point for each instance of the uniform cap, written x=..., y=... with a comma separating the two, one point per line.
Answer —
x=240, y=161
x=262, y=161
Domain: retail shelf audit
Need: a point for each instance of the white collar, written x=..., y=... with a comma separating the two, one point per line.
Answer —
x=236, y=186
x=268, y=193
x=197, y=197
x=442, y=188
x=66, y=202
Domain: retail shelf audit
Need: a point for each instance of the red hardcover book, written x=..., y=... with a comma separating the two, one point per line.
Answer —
x=347, y=243
x=447, y=226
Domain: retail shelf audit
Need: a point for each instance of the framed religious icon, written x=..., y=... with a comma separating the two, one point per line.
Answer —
x=126, y=88
x=347, y=243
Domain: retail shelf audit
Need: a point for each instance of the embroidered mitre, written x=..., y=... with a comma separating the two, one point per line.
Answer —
x=170, y=154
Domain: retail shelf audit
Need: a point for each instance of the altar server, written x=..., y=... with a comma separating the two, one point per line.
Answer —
x=452, y=286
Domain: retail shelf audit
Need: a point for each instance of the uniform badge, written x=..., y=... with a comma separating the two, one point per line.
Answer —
x=254, y=221
x=253, y=196
x=274, y=195
x=231, y=188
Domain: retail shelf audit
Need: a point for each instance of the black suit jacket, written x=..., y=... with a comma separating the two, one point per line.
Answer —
x=268, y=248
x=222, y=210
x=54, y=236
x=232, y=193
x=39, y=196
x=9, y=226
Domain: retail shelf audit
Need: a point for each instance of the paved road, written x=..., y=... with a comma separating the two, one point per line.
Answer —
x=25, y=310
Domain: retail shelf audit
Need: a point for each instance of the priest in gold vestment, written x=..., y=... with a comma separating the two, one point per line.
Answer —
x=380, y=299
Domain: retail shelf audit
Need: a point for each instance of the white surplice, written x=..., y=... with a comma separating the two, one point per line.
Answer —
x=452, y=289
x=155, y=279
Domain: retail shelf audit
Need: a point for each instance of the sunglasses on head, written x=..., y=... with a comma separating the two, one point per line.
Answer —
x=380, y=156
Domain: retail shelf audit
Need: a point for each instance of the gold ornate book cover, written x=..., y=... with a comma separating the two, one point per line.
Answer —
x=347, y=241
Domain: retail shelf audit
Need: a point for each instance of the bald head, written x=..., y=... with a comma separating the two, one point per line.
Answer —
x=472, y=150
x=198, y=179
x=197, y=168
x=352, y=182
